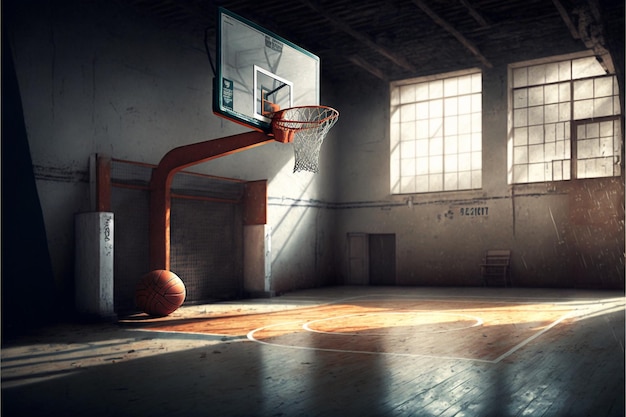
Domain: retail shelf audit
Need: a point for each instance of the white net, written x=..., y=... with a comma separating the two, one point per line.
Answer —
x=306, y=127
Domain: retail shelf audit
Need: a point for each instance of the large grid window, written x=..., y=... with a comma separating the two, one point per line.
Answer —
x=436, y=133
x=565, y=121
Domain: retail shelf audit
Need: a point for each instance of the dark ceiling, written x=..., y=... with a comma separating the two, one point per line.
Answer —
x=396, y=39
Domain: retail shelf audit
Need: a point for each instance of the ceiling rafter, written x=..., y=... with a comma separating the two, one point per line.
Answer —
x=566, y=19
x=474, y=13
x=458, y=35
x=375, y=71
x=588, y=27
x=361, y=37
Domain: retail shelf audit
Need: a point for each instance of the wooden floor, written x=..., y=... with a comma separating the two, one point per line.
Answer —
x=343, y=351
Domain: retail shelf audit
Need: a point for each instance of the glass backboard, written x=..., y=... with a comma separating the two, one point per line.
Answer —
x=259, y=73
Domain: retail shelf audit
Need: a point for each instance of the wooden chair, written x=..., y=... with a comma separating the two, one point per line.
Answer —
x=495, y=268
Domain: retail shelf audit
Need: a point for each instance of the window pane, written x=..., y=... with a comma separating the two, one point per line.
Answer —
x=435, y=128
x=537, y=75
x=586, y=67
x=421, y=166
x=407, y=94
x=583, y=89
x=421, y=147
x=435, y=146
x=603, y=106
x=421, y=92
x=407, y=185
x=421, y=110
x=565, y=70
x=477, y=103
x=520, y=155
x=435, y=89
x=451, y=145
x=451, y=181
x=535, y=134
x=520, y=136
x=536, y=172
x=583, y=109
x=520, y=77
x=407, y=167
x=603, y=87
x=477, y=143
x=435, y=164
x=535, y=115
x=551, y=113
x=465, y=124
x=451, y=106
x=535, y=96
x=435, y=108
x=407, y=131
x=565, y=110
x=435, y=183
x=520, y=98
x=551, y=93
x=451, y=163
x=464, y=143
x=465, y=104
x=407, y=148
x=565, y=90
x=520, y=174
x=477, y=83
x=450, y=87
x=422, y=128
x=477, y=179
x=520, y=117
x=407, y=112
x=535, y=153
x=477, y=161
x=549, y=132
x=552, y=73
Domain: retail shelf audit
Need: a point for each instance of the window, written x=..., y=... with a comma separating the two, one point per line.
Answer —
x=436, y=133
x=565, y=121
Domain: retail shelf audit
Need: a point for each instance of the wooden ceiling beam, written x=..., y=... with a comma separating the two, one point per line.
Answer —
x=375, y=71
x=566, y=19
x=587, y=26
x=458, y=35
x=474, y=13
x=361, y=37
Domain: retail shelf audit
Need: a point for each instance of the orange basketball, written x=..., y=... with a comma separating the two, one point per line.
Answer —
x=160, y=293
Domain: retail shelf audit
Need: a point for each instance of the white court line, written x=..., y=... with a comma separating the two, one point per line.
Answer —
x=531, y=338
x=364, y=352
x=477, y=321
x=515, y=348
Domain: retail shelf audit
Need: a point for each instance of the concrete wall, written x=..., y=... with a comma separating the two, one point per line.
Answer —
x=567, y=234
x=96, y=78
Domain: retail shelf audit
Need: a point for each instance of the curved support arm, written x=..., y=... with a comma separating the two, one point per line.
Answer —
x=174, y=161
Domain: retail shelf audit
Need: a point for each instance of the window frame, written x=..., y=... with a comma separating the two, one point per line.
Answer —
x=570, y=157
x=396, y=143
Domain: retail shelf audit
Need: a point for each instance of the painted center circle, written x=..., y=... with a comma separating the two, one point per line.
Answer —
x=383, y=323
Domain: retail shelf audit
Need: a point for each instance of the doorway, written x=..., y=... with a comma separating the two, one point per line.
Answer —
x=372, y=259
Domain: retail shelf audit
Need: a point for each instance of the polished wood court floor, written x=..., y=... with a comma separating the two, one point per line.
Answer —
x=342, y=351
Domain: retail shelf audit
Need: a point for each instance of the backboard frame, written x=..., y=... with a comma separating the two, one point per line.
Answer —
x=266, y=74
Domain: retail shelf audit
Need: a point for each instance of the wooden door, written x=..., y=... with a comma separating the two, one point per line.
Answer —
x=382, y=259
x=358, y=259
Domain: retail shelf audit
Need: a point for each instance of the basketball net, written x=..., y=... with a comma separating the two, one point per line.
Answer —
x=305, y=127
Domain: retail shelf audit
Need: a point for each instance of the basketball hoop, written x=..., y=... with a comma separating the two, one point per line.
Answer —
x=306, y=127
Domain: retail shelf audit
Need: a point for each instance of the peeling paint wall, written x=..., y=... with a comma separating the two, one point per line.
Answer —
x=562, y=234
